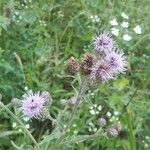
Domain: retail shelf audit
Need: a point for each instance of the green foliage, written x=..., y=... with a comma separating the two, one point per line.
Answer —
x=37, y=38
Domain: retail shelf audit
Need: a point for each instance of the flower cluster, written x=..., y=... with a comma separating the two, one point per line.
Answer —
x=110, y=60
x=116, y=26
x=105, y=63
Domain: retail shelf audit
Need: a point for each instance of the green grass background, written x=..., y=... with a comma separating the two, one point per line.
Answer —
x=35, y=55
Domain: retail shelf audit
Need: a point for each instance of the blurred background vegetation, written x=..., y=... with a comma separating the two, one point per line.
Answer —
x=36, y=39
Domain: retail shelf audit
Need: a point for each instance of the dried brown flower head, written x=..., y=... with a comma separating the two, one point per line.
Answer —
x=73, y=65
x=87, y=63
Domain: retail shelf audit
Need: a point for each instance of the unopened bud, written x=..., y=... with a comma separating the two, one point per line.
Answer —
x=112, y=133
x=87, y=63
x=16, y=102
x=117, y=126
x=47, y=96
x=45, y=113
x=101, y=122
x=72, y=101
x=73, y=65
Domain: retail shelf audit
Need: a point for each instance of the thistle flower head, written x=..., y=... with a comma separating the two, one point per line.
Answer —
x=102, y=122
x=73, y=65
x=112, y=133
x=33, y=105
x=117, y=126
x=116, y=61
x=101, y=70
x=103, y=43
x=87, y=63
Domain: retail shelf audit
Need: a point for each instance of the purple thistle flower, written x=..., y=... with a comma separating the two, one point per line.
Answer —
x=103, y=43
x=116, y=61
x=33, y=105
x=101, y=70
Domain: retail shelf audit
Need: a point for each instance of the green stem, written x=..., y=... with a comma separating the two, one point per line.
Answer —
x=54, y=121
x=139, y=41
x=82, y=89
x=19, y=122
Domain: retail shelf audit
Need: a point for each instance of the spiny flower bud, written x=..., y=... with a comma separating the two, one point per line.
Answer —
x=46, y=95
x=87, y=63
x=101, y=122
x=45, y=113
x=16, y=102
x=73, y=65
x=112, y=133
x=72, y=101
x=117, y=126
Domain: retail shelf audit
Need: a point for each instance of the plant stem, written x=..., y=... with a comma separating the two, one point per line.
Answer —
x=54, y=121
x=19, y=122
x=82, y=90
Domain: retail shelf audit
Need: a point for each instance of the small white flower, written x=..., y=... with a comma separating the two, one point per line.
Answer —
x=94, y=18
x=90, y=130
x=147, y=137
x=97, y=112
x=27, y=126
x=137, y=29
x=145, y=145
x=26, y=88
x=115, y=31
x=26, y=119
x=91, y=124
x=124, y=15
x=14, y=124
x=113, y=22
x=68, y=130
x=91, y=107
x=20, y=130
x=95, y=105
x=108, y=114
x=125, y=24
x=92, y=112
x=95, y=129
x=75, y=131
x=99, y=107
x=116, y=113
x=16, y=13
x=127, y=37
x=74, y=125
x=92, y=94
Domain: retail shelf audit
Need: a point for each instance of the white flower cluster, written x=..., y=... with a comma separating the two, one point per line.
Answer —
x=113, y=117
x=42, y=23
x=95, y=109
x=94, y=19
x=91, y=127
x=125, y=24
x=25, y=4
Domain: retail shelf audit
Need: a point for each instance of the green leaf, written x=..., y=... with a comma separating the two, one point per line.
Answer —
x=54, y=135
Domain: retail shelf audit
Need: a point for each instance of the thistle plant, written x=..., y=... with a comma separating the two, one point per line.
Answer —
x=103, y=64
